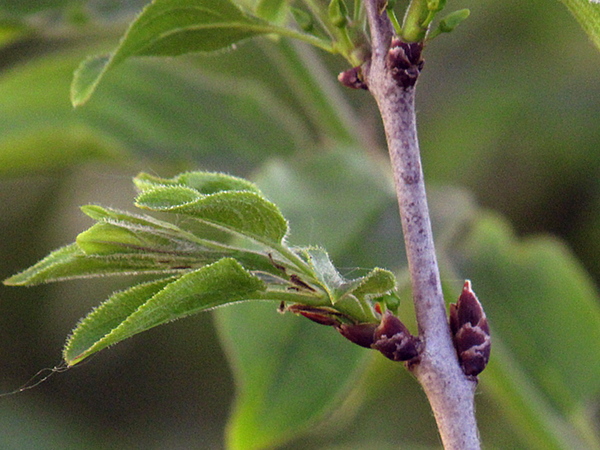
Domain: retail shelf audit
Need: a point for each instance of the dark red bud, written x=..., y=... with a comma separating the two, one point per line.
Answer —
x=405, y=62
x=394, y=340
x=360, y=334
x=470, y=332
x=352, y=78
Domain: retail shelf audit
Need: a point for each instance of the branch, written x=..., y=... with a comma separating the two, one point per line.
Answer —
x=390, y=76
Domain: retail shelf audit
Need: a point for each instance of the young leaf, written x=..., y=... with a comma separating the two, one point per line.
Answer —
x=171, y=28
x=108, y=316
x=143, y=307
x=110, y=239
x=376, y=283
x=245, y=213
x=204, y=182
x=71, y=262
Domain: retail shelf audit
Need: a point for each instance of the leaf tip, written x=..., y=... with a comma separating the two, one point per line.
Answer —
x=86, y=78
x=12, y=281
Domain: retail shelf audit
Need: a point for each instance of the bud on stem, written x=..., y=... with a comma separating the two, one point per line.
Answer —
x=470, y=332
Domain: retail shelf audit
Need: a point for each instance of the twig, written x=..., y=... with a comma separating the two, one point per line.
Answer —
x=450, y=392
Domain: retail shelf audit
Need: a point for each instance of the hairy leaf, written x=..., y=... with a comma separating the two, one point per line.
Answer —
x=245, y=213
x=204, y=182
x=376, y=283
x=71, y=262
x=108, y=239
x=143, y=307
x=171, y=28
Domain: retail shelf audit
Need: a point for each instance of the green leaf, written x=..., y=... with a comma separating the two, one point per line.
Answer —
x=245, y=213
x=587, y=14
x=171, y=28
x=71, y=262
x=299, y=371
x=204, y=182
x=273, y=10
x=376, y=283
x=143, y=307
x=128, y=118
x=109, y=239
x=326, y=273
x=544, y=311
x=109, y=316
x=332, y=200
x=102, y=214
x=122, y=236
x=290, y=371
x=86, y=78
x=341, y=291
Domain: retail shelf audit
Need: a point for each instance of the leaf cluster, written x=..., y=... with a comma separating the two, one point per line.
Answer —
x=227, y=247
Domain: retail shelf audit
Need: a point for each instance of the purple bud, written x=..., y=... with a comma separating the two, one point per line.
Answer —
x=360, y=334
x=470, y=332
x=352, y=78
x=405, y=62
x=394, y=340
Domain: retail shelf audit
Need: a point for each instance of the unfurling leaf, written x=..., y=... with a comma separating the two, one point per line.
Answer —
x=245, y=213
x=204, y=182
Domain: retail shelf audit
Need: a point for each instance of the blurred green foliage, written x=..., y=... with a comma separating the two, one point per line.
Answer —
x=508, y=121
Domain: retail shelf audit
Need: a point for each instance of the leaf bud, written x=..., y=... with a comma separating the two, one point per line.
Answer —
x=391, y=301
x=436, y=5
x=393, y=339
x=338, y=13
x=360, y=334
x=470, y=332
x=405, y=62
x=352, y=78
x=452, y=20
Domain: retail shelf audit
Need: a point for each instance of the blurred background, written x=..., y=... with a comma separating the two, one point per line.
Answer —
x=508, y=119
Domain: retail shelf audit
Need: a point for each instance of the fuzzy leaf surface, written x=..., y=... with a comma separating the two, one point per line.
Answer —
x=204, y=182
x=143, y=307
x=245, y=213
x=71, y=262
